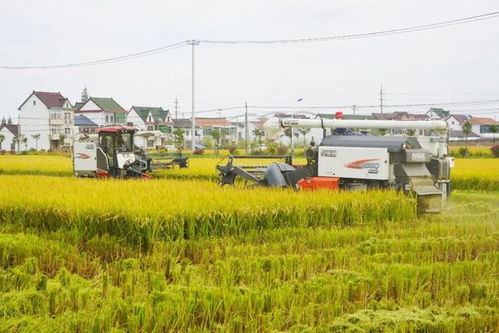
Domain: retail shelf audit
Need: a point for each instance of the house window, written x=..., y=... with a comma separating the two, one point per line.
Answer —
x=207, y=131
x=484, y=128
x=107, y=118
x=67, y=118
x=34, y=102
x=67, y=131
x=150, y=128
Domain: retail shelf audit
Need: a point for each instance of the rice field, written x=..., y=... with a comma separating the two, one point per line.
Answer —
x=179, y=254
x=468, y=174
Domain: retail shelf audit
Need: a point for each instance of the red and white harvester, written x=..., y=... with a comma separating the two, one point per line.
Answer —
x=111, y=154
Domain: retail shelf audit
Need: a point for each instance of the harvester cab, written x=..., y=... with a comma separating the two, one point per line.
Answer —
x=415, y=165
x=111, y=154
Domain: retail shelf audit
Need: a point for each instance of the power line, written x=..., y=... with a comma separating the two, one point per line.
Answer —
x=103, y=61
x=409, y=29
x=180, y=44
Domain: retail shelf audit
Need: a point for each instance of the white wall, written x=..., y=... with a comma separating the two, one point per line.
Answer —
x=34, y=119
x=454, y=125
x=134, y=118
x=89, y=106
x=8, y=140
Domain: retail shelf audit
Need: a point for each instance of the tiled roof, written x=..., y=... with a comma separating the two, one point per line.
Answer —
x=51, y=99
x=461, y=118
x=14, y=129
x=483, y=121
x=158, y=113
x=460, y=134
x=439, y=112
x=81, y=120
x=207, y=122
x=183, y=123
x=107, y=104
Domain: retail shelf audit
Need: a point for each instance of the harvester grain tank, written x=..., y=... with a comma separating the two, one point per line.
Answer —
x=416, y=165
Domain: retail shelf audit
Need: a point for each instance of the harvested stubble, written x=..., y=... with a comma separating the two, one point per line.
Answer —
x=433, y=275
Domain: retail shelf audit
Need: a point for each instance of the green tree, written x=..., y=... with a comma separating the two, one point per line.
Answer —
x=411, y=132
x=36, y=137
x=17, y=141
x=493, y=129
x=304, y=132
x=259, y=134
x=216, y=135
x=24, y=140
x=466, y=131
x=2, y=139
x=62, y=137
x=179, y=139
x=382, y=131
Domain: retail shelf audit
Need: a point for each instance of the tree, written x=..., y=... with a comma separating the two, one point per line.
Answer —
x=62, y=137
x=17, y=140
x=411, y=132
x=36, y=137
x=9, y=121
x=304, y=132
x=216, y=135
x=2, y=139
x=466, y=131
x=178, y=139
x=4, y=122
x=382, y=131
x=259, y=134
x=24, y=140
x=493, y=129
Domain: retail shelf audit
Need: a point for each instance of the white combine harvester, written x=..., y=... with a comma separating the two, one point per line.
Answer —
x=417, y=165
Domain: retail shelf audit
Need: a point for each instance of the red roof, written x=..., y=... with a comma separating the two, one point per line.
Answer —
x=483, y=121
x=114, y=129
x=207, y=122
x=14, y=129
x=50, y=99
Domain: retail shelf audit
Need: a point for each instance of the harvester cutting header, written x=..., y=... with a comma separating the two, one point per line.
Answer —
x=417, y=165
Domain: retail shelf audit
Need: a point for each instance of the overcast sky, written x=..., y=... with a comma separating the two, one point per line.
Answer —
x=459, y=63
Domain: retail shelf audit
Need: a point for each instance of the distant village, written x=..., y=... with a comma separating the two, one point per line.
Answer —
x=49, y=121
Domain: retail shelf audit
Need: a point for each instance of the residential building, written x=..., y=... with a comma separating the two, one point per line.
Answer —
x=185, y=124
x=49, y=115
x=155, y=125
x=9, y=132
x=147, y=118
x=456, y=121
x=84, y=125
x=103, y=111
x=227, y=130
x=437, y=113
x=481, y=126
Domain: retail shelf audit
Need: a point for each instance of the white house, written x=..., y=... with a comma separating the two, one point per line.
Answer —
x=155, y=125
x=481, y=126
x=8, y=133
x=185, y=124
x=48, y=115
x=102, y=111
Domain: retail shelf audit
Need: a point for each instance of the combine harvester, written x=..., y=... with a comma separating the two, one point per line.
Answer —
x=112, y=153
x=417, y=165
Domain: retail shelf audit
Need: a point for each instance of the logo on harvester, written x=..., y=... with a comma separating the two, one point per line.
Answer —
x=82, y=156
x=328, y=153
x=369, y=164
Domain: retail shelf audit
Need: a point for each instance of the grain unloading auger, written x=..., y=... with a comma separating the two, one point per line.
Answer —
x=417, y=165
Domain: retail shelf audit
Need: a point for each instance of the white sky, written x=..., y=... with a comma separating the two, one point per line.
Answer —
x=458, y=63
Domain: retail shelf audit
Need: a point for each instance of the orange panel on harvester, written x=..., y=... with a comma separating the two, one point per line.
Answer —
x=315, y=183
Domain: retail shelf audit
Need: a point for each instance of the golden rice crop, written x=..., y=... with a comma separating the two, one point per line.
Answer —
x=171, y=209
x=476, y=174
x=436, y=275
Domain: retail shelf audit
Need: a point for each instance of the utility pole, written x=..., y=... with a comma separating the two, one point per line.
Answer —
x=354, y=107
x=193, y=43
x=246, y=127
x=381, y=99
x=176, y=107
